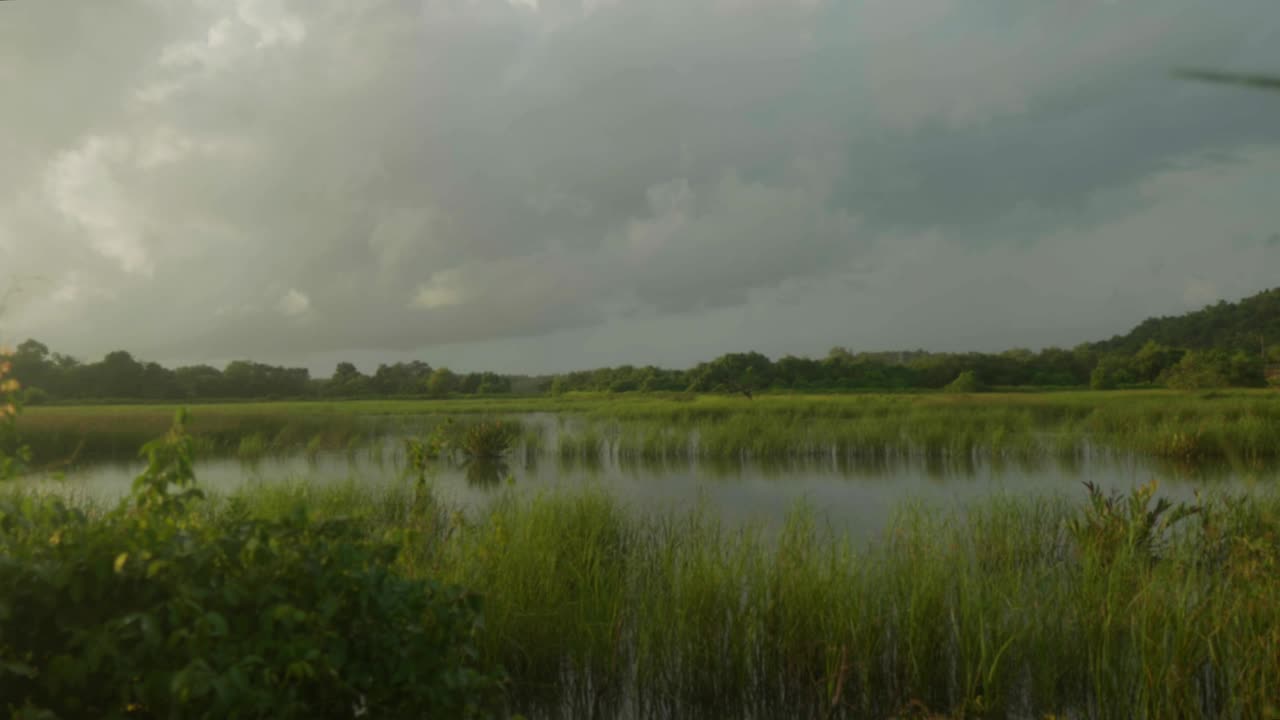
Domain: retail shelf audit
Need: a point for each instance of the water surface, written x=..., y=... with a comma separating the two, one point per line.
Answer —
x=853, y=494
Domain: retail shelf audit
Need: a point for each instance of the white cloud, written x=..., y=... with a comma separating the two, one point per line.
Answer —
x=81, y=185
x=444, y=289
x=294, y=303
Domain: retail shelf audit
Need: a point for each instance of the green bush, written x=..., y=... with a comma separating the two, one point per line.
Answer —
x=35, y=396
x=965, y=382
x=1101, y=379
x=1199, y=371
x=171, y=606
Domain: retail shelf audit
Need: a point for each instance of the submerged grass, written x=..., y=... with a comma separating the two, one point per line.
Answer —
x=1013, y=607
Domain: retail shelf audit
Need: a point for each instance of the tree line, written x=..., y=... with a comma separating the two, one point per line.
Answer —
x=1220, y=345
x=1153, y=365
x=119, y=376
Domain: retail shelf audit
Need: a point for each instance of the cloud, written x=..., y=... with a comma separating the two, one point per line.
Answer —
x=457, y=173
x=293, y=303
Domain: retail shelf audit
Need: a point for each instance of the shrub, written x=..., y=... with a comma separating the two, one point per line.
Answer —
x=1101, y=379
x=35, y=396
x=1195, y=371
x=167, y=606
x=965, y=382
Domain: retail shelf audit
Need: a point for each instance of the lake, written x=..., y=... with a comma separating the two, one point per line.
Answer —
x=851, y=492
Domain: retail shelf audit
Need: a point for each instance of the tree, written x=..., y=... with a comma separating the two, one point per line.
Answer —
x=442, y=382
x=558, y=386
x=401, y=378
x=348, y=380
x=1195, y=371
x=1153, y=359
x=1245, y=370
x=119, y=375
x=745, y=373
x=33, y=366
x=1102, y=379
x=200, y=381
x=1112, y=371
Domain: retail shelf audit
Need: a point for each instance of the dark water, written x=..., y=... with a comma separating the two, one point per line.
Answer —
x=851, y=494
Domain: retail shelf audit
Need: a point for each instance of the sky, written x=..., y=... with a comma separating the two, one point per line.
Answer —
x=548, y=185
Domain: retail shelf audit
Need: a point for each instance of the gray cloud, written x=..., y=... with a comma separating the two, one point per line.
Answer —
x=297, y=180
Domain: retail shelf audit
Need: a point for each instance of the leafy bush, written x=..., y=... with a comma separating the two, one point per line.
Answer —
x=1195, y=371
x=1101, y=379
x=35, y=396
x=965, y=382
x=168, y=606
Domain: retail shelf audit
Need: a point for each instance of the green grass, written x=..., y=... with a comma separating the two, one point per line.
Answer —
x=1013, y=607
x=1239, y=427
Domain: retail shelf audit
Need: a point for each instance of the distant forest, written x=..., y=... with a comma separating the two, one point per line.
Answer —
x=1221, y=345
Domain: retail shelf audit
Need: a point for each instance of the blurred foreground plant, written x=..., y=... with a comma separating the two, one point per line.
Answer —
x=13, y=455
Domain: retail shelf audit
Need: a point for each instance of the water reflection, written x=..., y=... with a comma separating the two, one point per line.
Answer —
x=486, y=472
x=855, y=488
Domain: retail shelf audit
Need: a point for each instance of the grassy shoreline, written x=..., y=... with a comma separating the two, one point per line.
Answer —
x=1238, y=427
x=1010, y=607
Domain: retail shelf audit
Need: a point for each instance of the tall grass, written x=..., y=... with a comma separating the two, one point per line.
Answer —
x=1239, y=428
x=1012, y=607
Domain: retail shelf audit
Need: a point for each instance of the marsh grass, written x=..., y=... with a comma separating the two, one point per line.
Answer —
x=1091, y=605
x=1088, y=606
x=1240, y=429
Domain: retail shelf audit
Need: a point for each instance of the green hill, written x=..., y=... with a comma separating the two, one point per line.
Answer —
x=1225, y=325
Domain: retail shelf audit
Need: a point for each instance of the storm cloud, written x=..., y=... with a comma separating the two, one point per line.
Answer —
x=547, y=184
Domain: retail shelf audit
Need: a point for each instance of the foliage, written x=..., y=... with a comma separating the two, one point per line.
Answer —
x=442, y=382
x=965, y=382
x=1102, y=379
x=488, y=439
x=166, y=606
x=13, y=454
x=1238, y=326
x=1229, y=334
x=1195, y=371
x=34, y=396
x=1112, y=523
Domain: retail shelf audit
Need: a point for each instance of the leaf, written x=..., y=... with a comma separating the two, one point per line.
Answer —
x=21, y=669
x=217, y=623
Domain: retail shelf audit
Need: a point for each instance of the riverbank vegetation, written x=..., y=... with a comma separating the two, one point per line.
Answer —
x=1238, y=427
x=571, y=604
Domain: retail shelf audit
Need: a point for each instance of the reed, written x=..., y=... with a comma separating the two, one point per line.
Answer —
x=1012, y=607
x=1085, y=606
x=1238, y=428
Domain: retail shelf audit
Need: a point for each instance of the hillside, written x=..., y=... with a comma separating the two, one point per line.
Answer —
x=1225, y=325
